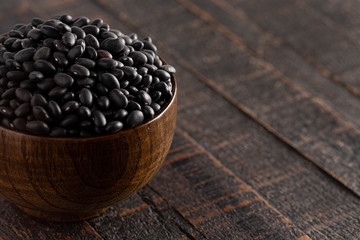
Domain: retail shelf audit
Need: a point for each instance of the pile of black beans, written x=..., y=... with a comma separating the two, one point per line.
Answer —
x=76, y=77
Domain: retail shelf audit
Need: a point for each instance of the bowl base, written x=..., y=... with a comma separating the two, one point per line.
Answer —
x=62, y=217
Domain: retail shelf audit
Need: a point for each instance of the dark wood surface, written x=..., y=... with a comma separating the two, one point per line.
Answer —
x=268, y=134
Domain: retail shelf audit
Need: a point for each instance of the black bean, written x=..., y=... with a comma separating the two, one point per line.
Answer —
x=63, y=80
x=81, y=43
x=106, y=34
x=3, y=71
x=26, y=43
x=66, y=19
x=26, y=54
x=81, y=21
x=117, y=73
x=29, y=85
x=136, y=80
x=7, y=123
x=143, y=97
x=30, y=117
x=9, y=93
x=36, y=21
x=60, y=46
x=69, y=39
x=12, y=84
x=157, y=62
x=38, y=100
x=41, y=114
x=46, y=84
x=42, y=53
x=156, y=95
x=69, y=120
x=57, y=132
x=101, y=89
x=7, y=112
x=80, y=34
x=92, y=41
x=90, y=52
x=132, y=90
x=16, y=75
x=62, y=27
x=54, y=109
x=79, y=71
x=155, y=106
x=20, y=124
x=118, y=98
x=49, y=31
x=36, y=76
x=60, y=59
x=35, y=34
x=110, y=81
x=148, y=112
x=14, y=103
x=139, y=58
x=91, y=29
x=68, y=96
x=96, y=22
x=17, y=45
x=84, y=112
x=149, y=45
x=135, y=118
x=168, y=68
x=70, y=106
x=23, y=110
x=146, y=81
x=103, y=102
x=85, y=82
x=129, y=72
x=86, y=97
x=162, y=75
x=37, y=127
x=138, y=45
x=114, y=126
x=75, y=52
x=120, y=114
x=85, y=124
x=8, y=55
x=45, y=67
x=4, y=102
x=86, y=62
x=104, y=54
x=133, y=105
x=99, y=119
x=107, y=63
x=142, y=71
x=113, y=45
x=23, y=94
x=57, y=92
x=151, y=68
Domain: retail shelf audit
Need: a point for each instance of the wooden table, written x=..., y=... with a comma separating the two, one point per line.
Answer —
x=268, y=134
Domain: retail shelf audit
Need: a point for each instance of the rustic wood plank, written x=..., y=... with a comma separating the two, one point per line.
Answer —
x=267, y=178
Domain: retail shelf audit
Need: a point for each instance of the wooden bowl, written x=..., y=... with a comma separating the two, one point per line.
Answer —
x=69, y=179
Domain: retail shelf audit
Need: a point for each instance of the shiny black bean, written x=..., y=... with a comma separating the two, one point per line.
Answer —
x=69, y=120
x=41, y=114
x=106, y=34
x=57, y=92
x=168, y=68
x=155, y=106
x=75, y=52
x=46, y=84
x=9, y=93
x=113, y=45
x=29, y=85
x=91, y=53
x=91, y=29
x=138, y=45
x=49, y=31
x=146, y=81
x=42, y=53
x=68, y=96
x=139, y=58
x=86, y=62
x=162, y=75
x=118, y=98
x=157, y=62
x=20, y=124
x=104, y=54
x=45, y=67
x=133, y=105
x=16, y=75
x=17, y=45
x=85, y=82
x=69, y=39
x=107, y=63
x=92, y=41
x=110, y=81
x=9, y=42
x=81, y=21
x=136, y=80
x=36, y=21
x=63, y=80
x=14, y=103
x=135, y=118
x=54, y=109
x=36, y=76
x=70, y=106
x=101, y=89
x=151, y=68
x=113, y=127
x=37, y=127
x=143, y=98
x=84, y=112
x=80, y=34
x=62, y=27
x=81, y=43
x=38, y=100
x=79, y=71
x=148, y=112
x=30, y=117
x=96, y=22
x=57, y=132
x=120, y=114
x=142, y=71
x=26, y=43
x=26, y=54
x=7, y=112
x=60, y=59
x=125, y=92
x=156, y=95
x=99, y=119
x=85, y=124
x=66, y=19
x=49, y=42
x=132, y=90
x=127, y=61
x=16, y=34
x=129, y=72
x=60, y=46
x=12, y=84
x=86, y=97
x=103, y=102
x=23, y=110
x=23, y=94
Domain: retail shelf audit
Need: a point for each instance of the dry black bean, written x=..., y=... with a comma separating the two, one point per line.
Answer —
x=155, y=106
x=138, y=45
x=135, y=118
x=49, y=42
x=54, y=109
x=81, y=43
x=60, y=59
x=35, y=34
x=168, y=68
x=114, y=126
x=36, y=76
x=17, y=45
x=99, y=119
x=106, y=34
x=37, y=127
x=46, y=84
x=133, y=105
x=42, y=53
x=104, y=54
x=66, y=19
x=36, y=21
x=41, y=114
x=57, y=132
x=45, y=67
x=12, y=84
x=80, y=34
x=38, y=100
x=85, y=124
x=23, y=94
x=23, y=110
x=96, y=22
x=110, y=81
x=129, y=72
x=81, y=21
x=20, y=124
x=155, y=96
x=148, y=112
x=7, y=123
x=63, y=80
x=101, y=89
x=4, y=102
x=30, y=117
x=146, y=81
x=16, y=75
x=113, y=45
x=79, y=71
x=9, y=93
x=143, y=97
x=107, y=63
x=25, y=55
x=69, y=39
x=62, y=27
x=91, y=53
x=8, y=55
x=139, y=58
x=103, y=102
x=49, y=31
x=16, y=34
x=57, y=92
x=91, y=29
x=92, y=41
x=75, y=52
x=86, y=62
x=84, y=112
x=69, y=107
x=69, y=120
x=26, y=43
x=136, y=80
x=132, y=90
x=86, y=97
x=120, y=114
x=29, y=85
x=118, y=98
x=162, y=74
x=60, y=46
x=7, y=112
x=85, y=82
x=68, y=96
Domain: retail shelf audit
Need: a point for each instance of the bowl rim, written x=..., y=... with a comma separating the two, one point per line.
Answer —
x=105, y=136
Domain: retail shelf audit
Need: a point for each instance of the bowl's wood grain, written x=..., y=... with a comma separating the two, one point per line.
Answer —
x=68, y=179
